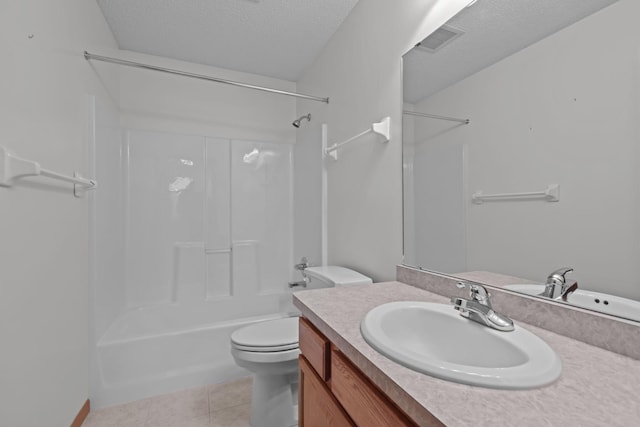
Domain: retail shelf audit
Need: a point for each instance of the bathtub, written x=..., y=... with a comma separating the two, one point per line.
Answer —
x=160, y=349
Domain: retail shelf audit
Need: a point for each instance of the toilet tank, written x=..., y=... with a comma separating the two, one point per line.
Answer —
x=329, y=276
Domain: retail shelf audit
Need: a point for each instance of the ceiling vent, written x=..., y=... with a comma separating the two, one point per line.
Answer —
x=440, y=38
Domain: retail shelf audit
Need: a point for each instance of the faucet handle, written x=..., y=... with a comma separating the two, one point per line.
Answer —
x=559, y=274
x=568, y=291
x=302, y=264
x=479, y=293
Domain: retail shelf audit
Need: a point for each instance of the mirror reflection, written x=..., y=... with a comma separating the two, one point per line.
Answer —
x=545, y=175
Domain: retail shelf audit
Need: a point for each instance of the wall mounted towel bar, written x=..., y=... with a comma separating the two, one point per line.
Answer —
x=12, y=167
x=382, y=128
x=433, y=116
x=551, y=194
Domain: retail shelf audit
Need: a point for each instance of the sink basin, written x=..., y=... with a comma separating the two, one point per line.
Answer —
x=434, y=339
x=604, y=303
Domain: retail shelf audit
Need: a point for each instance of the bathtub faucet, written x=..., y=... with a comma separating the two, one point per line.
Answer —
x=302, y=264
x=299, y=283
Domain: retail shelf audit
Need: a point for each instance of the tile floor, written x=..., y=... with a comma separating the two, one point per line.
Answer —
x=219, y=405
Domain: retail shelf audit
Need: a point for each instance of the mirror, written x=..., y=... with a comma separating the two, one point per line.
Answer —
x=551, y=90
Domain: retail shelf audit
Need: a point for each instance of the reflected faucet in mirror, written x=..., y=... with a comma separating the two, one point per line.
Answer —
x=556, y=286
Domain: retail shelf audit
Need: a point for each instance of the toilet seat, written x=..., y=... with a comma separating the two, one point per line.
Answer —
x=273, y=349
x=265, y=357
x=269, y=336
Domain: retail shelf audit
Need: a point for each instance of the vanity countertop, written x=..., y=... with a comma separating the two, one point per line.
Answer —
x=596, y=388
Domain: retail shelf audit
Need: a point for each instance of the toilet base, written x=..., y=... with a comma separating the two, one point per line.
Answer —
x=274, y=400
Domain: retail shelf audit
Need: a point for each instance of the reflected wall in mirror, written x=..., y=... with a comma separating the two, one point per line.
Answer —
x=552, y=92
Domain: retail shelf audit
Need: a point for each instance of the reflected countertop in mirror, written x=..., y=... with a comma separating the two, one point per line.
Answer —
x=591, y=300
x=550, y=89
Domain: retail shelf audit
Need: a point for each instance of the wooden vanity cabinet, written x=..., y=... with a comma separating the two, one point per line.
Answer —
x=317, y=406
x=333, y=392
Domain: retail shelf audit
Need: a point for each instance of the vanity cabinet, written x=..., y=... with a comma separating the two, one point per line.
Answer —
x=333, y=392
x=317, y=406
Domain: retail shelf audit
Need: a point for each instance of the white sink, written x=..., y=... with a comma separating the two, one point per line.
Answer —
x=604, y=303
x=434, y=339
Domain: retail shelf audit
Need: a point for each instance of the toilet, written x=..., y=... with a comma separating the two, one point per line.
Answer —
x=270, y=351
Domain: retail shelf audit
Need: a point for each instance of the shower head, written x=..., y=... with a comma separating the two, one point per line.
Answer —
x=296, y=123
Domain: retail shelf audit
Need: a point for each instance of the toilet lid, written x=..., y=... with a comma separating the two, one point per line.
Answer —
x=270, y=335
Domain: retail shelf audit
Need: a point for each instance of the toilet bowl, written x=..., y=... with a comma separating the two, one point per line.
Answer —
x=270, y=351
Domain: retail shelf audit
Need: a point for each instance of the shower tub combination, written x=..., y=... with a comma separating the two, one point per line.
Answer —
x=205, y=227
x=154, y=350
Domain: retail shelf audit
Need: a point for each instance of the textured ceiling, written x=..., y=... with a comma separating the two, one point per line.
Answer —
x=494, y=29
x=276, y=38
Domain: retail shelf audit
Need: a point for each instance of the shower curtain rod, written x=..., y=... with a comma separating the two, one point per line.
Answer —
x=433, y=116
x=88, y=56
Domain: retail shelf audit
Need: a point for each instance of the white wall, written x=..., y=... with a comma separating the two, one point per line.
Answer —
x=307, y=187
x=44, y=82
x=360, y=70
x=565, y=110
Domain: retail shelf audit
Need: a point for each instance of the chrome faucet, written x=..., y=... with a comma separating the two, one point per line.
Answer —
x=479, y=308
x=556, y=286
x=299, y=284
x=301, y=266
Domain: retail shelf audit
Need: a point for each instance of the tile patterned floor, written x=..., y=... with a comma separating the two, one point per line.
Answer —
x=219, y=405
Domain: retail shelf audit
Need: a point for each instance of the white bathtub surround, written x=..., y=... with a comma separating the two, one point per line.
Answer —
x=192, y=202
x=219, y=405
x=205, y=226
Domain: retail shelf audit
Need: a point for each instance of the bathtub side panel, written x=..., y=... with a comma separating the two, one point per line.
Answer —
x=132, y=369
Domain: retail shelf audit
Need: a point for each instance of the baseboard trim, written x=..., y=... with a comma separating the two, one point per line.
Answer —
x=82, y=414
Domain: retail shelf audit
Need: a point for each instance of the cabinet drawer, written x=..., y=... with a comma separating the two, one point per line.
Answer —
x=315, y=348
x=318, y=408
x=364, y=403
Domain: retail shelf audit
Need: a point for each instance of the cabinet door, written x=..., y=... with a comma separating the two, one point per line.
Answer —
x=317, y=407
x=315, y=348
x=366, y=405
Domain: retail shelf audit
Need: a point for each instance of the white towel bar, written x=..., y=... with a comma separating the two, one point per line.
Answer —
x=382, y=128
x=551, y=194
x=13, y=167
